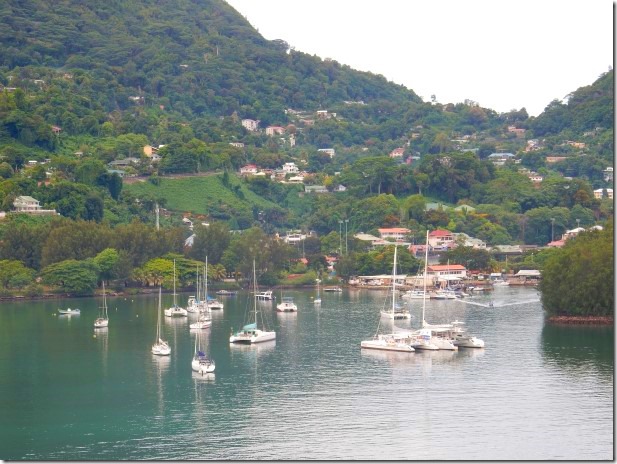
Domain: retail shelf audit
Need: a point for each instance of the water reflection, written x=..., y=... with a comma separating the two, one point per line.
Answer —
x=578, y=348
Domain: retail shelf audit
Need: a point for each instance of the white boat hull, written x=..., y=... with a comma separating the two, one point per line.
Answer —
x=161, y=349
x=202, y=367
x=200, y=325
x=101, y=323
x=286, y=307
x=252, y=337
x=176, y=312
x=386, y=345
x=469, y=342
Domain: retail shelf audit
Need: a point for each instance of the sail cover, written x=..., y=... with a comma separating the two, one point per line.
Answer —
x=252, y=326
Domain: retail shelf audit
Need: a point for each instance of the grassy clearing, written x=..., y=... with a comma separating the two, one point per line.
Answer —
x=200, y=195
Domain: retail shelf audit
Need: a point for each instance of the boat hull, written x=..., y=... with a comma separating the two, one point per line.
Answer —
x=250, y=338
x=202, y=367
x=101, y=323
x=161, y=349
x=384, y=345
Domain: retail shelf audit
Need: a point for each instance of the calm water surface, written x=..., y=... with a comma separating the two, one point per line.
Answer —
x=535, y=392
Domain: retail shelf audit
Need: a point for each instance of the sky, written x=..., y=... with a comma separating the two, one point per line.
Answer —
x=502, y=55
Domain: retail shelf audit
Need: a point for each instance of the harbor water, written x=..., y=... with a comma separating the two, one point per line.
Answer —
x=535, y=392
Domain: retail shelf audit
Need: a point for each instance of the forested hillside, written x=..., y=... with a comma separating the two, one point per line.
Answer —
x=110, y=108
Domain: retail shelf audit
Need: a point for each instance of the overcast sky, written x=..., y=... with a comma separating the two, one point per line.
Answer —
x=503, y=55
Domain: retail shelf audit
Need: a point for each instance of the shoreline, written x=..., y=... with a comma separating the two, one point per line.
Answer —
x=587, y=320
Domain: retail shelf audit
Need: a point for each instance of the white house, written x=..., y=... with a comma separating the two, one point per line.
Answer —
x=599, y=193
x=397, y=233
x=447, y=271
x=249, y=170
x=26, y=204
x=290, y=168
x=441, y=238
x=250, y=124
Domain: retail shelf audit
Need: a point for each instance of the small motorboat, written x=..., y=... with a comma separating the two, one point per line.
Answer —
x=69, y=311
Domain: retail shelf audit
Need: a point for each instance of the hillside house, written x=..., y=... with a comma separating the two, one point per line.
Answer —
x=608, y=174
x=237, y=144
x=275, y=130
x=397, y=153
x=516, y=131
x=499, y=159
x=250, y=124
x=249, y=170
x=28, y=205
x=396, y=233
x=599, y=193
x=441, y=239
x=555, y=159
x=290, y=168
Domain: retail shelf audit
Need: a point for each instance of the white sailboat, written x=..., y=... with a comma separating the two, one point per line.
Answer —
x=397, y=312
x=395, y=341
x=249, y=333
x=194, y=302
x=175, y=310
x=160, y=346
x=201, y=363
x=423, y=337
x=318, y=299
x=205, y=320
x=103, y=320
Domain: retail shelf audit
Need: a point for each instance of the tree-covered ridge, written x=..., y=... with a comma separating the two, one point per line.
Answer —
x=199, y=58
x=586, y=109
x=579, y=280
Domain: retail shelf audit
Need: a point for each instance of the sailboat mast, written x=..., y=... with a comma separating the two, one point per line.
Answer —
x=158, y=319
x=394, y=282
x=175, y=283
x=425, y=270
x=255, y=291
x=206, y=282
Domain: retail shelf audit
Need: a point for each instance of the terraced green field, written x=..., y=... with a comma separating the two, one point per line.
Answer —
x=200, y=194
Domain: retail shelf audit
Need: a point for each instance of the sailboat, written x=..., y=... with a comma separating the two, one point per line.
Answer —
x=287, y=304
x=249, y=332
x=393, y=341
x=175, y=310
x=103, y=320
x=201, y=363
x=318, y=299
x=194, y=302
x=397, y=312
x=160, y=347
x=205, y=320
x=425, y=339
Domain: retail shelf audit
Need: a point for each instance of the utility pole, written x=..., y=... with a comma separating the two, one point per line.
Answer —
x=346, y=248
x=552, y=229
x=340, y=237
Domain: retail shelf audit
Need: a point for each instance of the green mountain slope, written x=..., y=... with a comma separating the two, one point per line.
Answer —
x=202, y=195
x=199, y=57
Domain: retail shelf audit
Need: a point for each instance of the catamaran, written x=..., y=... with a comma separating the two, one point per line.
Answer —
x=249, y=333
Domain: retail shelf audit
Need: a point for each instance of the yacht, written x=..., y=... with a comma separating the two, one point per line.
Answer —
x=286, y=305
x=413, y=295
x=267, y=295
x=386, y=342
